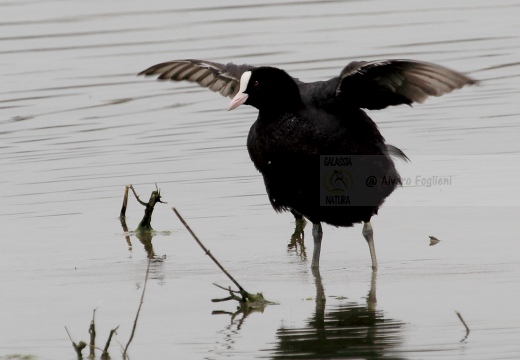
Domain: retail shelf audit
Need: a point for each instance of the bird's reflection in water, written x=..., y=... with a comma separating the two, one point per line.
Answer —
x=346, y=331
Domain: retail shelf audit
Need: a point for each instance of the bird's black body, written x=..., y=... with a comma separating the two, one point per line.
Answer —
x=286, y=148
x=299, y=123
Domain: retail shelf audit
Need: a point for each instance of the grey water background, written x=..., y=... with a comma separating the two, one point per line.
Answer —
x=77, y=125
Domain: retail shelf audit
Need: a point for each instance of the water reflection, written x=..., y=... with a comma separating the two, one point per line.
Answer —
x=237, y=319
x=145, y=237
x=244, y=311
x=346, y=331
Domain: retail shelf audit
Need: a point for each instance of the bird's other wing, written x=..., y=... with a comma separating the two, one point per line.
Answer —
x=378, y=84
x=224, y=79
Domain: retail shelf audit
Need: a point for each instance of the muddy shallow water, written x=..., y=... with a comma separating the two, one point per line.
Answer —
x=77, y=125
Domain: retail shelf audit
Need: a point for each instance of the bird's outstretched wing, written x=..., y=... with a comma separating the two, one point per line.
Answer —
x=221, y=78
x=378, y=84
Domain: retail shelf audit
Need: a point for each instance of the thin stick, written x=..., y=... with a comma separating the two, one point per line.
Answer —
x=138, y=309
x=137, y=196
x=125, y=203
x=92, y=332
x=463, y=323
x=77, y=347
x=68, y=333
x=122, y=215
x=227, y=289
x=105, y=355
x=242, y=291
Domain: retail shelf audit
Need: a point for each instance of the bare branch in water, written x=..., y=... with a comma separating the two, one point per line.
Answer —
x=247, y=299
x=463, y=323
x=104, y=355
x=145, y=224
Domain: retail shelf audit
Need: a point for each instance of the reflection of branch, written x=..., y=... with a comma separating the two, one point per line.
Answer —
x=138, y=309
x=125, y=229
x=245, y=309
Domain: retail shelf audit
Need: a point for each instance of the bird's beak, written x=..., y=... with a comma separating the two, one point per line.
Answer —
x=238, y=100
x=241, y=95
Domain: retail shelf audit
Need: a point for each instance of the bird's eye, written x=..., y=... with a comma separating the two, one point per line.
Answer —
x=255, y=83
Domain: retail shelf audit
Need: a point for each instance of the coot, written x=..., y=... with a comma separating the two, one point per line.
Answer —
x=314, y=145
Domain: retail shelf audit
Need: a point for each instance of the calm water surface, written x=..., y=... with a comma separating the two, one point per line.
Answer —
x=77, y=125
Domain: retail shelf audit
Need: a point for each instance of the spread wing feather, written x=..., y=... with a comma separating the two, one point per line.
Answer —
x=224, y=79
x=378, y=84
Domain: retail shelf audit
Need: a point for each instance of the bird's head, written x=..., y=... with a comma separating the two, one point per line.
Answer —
x=267, y=89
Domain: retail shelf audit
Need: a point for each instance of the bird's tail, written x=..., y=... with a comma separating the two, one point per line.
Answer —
x=396, y=152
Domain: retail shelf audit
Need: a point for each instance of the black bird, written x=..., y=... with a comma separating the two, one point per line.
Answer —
x=301, y=123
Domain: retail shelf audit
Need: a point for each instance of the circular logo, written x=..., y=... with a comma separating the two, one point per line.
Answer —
x=338, y=181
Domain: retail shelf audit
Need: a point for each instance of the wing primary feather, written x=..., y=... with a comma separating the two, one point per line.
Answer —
x=220, y=78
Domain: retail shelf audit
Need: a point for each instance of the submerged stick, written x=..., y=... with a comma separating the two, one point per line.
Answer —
x=463, y=323
x=242, y=291
x=138, y=309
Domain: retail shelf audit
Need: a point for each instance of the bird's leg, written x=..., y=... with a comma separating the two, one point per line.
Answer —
x=368, y=233
x=317, y=234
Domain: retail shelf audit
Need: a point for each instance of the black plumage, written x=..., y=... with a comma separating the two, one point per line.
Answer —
x=299, y=123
